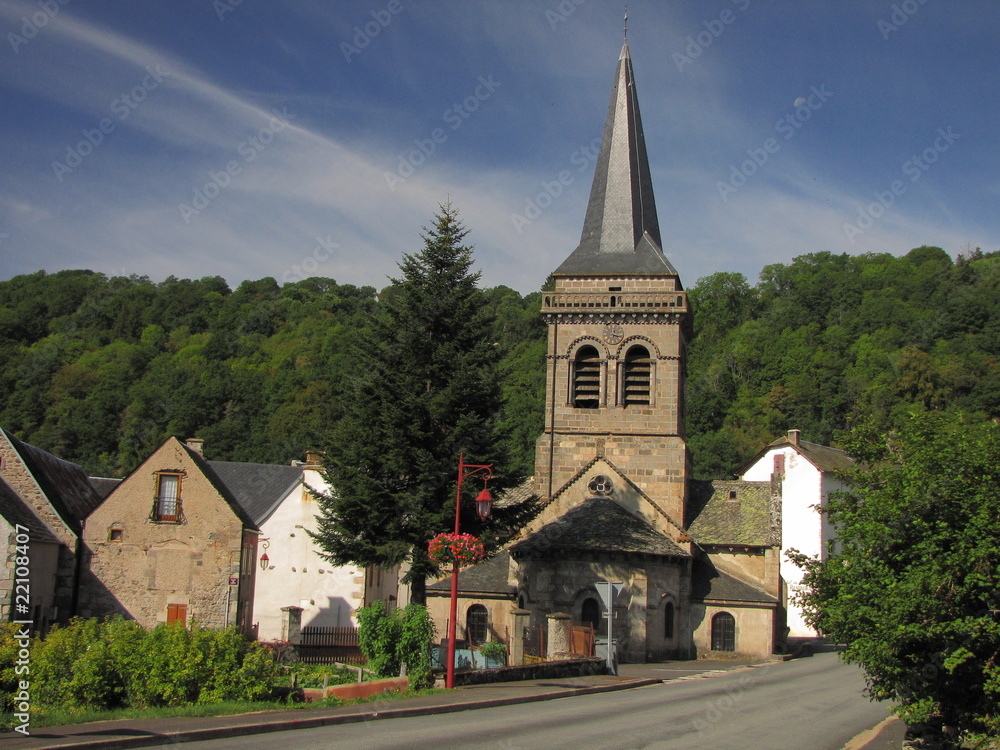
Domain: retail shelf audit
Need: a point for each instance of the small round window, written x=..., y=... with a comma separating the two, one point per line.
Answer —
x=601, y=485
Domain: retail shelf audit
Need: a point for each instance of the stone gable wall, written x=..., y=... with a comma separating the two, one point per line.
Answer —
x=156, y=564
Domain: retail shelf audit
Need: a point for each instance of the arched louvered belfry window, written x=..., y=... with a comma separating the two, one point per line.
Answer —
x=638, y=377
x=587, y=378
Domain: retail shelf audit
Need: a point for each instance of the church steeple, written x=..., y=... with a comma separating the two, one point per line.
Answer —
x=621, y=234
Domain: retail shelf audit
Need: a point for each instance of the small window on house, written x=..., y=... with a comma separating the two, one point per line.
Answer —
x=167, y=506
x=114, y=535
x=476, y=621
x=637, y=377
x=733, y=495
x=779, y=463
x=177, y=613
x=668, y=620
x=723, y=632
x=587, y=378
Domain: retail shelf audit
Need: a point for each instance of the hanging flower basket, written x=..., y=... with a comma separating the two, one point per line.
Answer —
x=464, y=549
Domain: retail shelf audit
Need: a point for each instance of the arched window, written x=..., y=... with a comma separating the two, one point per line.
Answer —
x=590, y=613
x=587, y=378
x=476, y=620
x=668, y=620
x=723, y=632
x=637, y=377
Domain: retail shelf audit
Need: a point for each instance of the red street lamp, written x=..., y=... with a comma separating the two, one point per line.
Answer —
x=483, y=503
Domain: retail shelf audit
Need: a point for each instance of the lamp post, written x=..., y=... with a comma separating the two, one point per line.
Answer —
x=483, y=503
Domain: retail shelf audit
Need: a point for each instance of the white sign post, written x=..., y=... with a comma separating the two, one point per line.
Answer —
x=609, y=591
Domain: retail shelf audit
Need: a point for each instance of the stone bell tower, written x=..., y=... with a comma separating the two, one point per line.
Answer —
x=618, y=322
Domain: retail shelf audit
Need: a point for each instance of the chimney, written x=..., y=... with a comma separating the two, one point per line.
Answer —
x=793, y=437
x=314, y=458
x=195, y=444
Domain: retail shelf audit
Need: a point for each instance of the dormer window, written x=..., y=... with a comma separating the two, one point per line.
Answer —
x=733, y=495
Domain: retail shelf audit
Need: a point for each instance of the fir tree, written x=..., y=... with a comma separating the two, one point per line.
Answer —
x=427, y=387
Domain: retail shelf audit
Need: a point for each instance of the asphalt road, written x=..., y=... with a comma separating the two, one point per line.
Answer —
x=813, y=703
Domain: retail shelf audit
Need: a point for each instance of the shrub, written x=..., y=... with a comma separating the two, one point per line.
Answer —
x=494, y=651
x=400, y=638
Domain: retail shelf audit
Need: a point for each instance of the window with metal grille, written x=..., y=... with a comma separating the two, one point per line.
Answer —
x=637, y=377
x=476, y=620
x=723, y=632
x=168, y=497
x=587, y=378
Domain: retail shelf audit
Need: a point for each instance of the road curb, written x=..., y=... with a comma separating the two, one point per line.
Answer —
x=282, y=725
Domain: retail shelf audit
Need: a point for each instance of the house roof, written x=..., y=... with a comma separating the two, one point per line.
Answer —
x=488, y=577
x=104, y=485
x=258, y=489
x=710, y=583
x=16, y=511
x=599, y=524
x=823, y=457
x=65, y=484
x=745, y=520
x=621, y=233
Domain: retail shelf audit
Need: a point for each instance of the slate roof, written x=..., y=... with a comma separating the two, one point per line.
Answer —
x=16, y=511
x=489, y=577
x=598, y=524
x=716, y=519
x=710, y=583
x=823, y=457
x=65, y=484
x=257, y=488
x=621, y=234
x=104, y=485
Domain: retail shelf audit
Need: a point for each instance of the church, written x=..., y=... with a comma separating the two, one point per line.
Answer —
x=699, y=562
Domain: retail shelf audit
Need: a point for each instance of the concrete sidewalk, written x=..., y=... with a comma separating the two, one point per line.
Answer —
x=129, y=733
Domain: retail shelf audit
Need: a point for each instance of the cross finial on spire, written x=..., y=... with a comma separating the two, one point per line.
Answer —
x=626, y=23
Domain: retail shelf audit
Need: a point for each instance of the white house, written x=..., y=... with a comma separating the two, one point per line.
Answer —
x=807, y=475
x=292, y=572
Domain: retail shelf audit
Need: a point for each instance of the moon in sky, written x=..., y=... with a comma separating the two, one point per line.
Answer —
x=799, y=102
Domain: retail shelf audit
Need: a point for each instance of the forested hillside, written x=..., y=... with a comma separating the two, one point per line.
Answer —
x=100, y=371
x=831, y=338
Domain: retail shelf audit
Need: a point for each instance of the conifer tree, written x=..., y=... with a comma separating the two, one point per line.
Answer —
x=427, y=387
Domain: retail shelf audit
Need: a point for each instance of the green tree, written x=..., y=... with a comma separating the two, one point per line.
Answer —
x=427, y=388
x=912, y=587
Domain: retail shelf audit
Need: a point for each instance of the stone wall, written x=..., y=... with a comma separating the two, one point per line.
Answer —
x=563, y=584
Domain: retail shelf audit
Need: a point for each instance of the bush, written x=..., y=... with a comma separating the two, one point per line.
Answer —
x=117, y=663
x=400, y=638
x=494, y=651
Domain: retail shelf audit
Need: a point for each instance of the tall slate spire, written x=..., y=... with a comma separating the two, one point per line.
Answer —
x=621, y=234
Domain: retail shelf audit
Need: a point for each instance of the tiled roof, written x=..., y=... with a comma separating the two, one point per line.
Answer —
x=745, y=520
x=16, y=511
x=710, y=583
x=65, y=484
x=257, y=488
x=489, y=577
x=598, y=524
x=621, y=233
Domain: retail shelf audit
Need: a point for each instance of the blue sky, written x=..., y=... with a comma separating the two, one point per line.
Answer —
x=305, y=138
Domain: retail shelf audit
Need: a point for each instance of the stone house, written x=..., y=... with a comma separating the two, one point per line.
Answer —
x=172, y=542
x=51, y=498
x=804, y=474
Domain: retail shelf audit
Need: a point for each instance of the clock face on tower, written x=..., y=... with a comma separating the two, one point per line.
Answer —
x=614, y=334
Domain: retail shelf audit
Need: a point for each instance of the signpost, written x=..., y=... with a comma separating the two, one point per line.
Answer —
x=609, y=591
